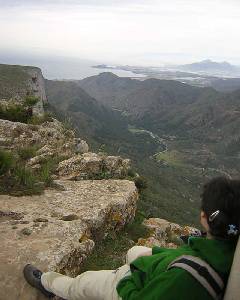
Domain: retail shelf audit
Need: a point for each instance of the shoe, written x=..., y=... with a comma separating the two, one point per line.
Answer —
x=33, y=277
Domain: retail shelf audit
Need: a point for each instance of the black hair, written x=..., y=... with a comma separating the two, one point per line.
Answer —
x=221, y=204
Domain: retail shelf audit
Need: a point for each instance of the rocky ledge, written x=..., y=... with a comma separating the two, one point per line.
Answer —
x=57, y=230
x=163, y=233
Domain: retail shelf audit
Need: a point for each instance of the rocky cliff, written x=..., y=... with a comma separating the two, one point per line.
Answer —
x=58, y=229
x=17, y=82
x=87, y=194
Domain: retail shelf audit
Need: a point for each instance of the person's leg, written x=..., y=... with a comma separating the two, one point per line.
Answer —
x=91, y=285
x=136, y=252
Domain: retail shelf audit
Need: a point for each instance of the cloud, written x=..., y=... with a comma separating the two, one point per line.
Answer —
x=12, y=3
x=123, y=31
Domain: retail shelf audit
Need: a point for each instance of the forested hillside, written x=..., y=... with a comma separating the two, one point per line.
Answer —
x=177, y=135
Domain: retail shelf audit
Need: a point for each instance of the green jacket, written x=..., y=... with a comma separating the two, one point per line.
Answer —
x=150, y=279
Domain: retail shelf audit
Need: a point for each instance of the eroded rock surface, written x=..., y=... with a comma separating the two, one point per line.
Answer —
x=57, y=230
x=165, y=234
x=49, y=137
x=92, y=165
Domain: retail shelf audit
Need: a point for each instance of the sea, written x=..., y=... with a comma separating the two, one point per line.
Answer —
x=62, y=68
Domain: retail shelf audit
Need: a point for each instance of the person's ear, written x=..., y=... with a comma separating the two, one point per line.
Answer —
x=202, y=214
x=204, y=220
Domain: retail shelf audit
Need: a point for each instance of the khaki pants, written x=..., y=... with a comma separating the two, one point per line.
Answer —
x=91, y=285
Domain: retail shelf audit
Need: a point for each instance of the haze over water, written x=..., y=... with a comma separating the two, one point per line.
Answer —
x=57, y=67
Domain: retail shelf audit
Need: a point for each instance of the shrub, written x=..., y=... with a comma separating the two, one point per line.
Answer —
x=26, y=153
x=136, y=229
x=48, y=168
x=67, y=123
x=131, y=173
x=14, y=112
x=45, y=173
x=102, y=149
x=24, y=177
x=31, y=101
x=24, y=182
x=140, y=182
x=17, y=179
x=100, y=176
x=38, y=120
x=18, y=112
x=6, y=161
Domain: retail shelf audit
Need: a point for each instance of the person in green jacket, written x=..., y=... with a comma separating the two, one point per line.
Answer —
x=146, y=274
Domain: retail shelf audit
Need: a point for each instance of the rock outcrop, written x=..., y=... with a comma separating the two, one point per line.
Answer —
x=81, y=146
x=57, y=230
x=91, y=165
x=21, y=81
x=49, y=137
x=165, y=234
x=37, y=88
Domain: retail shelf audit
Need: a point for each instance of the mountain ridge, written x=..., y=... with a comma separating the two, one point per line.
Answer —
x=210, y=68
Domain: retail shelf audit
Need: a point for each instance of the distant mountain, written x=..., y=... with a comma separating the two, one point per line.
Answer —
x=225, y=84
x=109, y=89
x=210, y=67
x=223, y=77
x=136, y=97
x=169, y=106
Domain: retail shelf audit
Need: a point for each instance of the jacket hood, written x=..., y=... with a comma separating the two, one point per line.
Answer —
x=218, y=253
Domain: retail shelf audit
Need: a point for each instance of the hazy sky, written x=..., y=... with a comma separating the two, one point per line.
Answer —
x=146, y=32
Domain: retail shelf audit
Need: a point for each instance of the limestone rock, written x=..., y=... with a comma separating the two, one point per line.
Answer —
x=116, y=166
x=30, y=82
x=58, y=229
x=50, y=137
x=40, y=158
x=81, y=146
x=79, y=165
x=165, y=234
x=45, y=149
x=92, y=165
x=37, y=87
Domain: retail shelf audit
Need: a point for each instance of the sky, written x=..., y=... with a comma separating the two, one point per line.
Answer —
x=135, y=32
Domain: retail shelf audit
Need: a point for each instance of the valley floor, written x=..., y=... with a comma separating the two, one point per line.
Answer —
x=176, y=170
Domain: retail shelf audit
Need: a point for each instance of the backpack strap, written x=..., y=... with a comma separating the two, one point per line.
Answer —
x=202, y=272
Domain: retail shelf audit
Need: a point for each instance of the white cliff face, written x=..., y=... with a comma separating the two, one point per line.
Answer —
x=37, y=88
